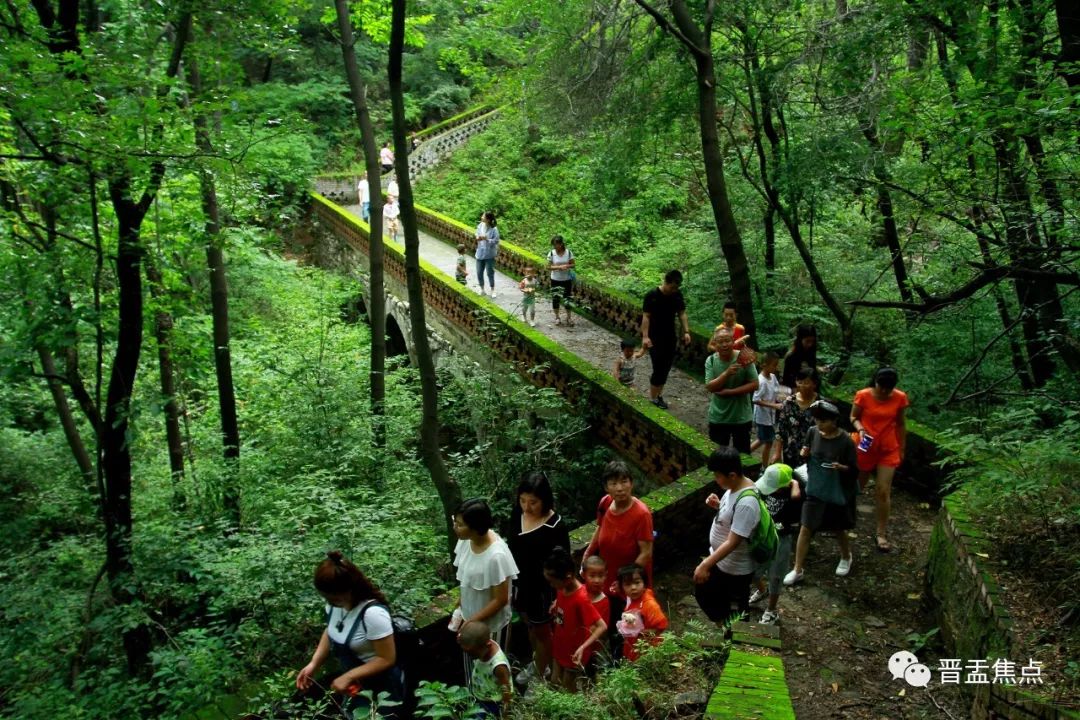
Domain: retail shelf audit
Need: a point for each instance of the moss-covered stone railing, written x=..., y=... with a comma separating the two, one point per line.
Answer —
x=663, y=447
x=974, y=621
x=615, y=310
x=452, y=122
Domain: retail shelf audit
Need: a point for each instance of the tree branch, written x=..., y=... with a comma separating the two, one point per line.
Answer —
x=668, y=27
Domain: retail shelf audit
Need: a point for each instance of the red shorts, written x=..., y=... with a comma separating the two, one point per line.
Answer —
x=876, y=456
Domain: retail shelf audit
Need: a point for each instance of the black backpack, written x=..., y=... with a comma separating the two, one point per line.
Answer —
x=406, y=647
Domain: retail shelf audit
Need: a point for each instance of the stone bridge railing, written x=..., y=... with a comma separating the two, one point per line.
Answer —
x=663, y=447
x=438, y=141
x=617, y=311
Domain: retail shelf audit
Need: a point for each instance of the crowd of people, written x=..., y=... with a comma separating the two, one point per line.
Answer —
x=581, y=616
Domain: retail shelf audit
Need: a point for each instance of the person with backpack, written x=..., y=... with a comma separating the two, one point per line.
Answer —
x=561, y=266
x=359, y=633
x=723, y=578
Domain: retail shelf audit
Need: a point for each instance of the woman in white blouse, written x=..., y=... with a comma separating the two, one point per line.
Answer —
x=485, y=569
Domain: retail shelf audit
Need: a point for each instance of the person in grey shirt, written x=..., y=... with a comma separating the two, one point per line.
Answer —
x=724, y=576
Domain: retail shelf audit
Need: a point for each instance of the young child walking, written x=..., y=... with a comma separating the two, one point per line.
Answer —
x=782, y=489
x=594, y=572
x=830, y=489
x=766, y=403
x=490, y=681
x=627, y=362
x=461, y=271
x=578, y=627
x=642, y=618
x=528, y=296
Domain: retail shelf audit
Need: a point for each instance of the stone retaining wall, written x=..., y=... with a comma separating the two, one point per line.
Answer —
x=974, y=621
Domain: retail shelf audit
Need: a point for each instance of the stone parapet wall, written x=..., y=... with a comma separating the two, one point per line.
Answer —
x=974, y=621
x=663, y=447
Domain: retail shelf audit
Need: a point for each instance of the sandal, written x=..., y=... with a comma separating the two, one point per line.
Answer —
x=569, y=322
x=557, y=320
x=883, y=545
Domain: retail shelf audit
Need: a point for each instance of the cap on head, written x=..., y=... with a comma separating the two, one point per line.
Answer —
x=774, y=478
x=824, y=410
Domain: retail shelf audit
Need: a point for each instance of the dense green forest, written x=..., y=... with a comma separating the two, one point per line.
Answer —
x=186, y=414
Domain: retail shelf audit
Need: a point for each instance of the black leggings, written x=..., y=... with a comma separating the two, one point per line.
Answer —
x=558, y=294
x=716, y=594
x=738, y=434
x=663, y=357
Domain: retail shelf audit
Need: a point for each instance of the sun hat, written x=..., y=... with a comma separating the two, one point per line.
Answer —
x=774, y=478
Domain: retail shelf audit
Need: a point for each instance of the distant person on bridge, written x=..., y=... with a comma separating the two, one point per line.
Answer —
x=386, y=158
x=461, y=272
x=626, y=365
x=391, y=213
x=561, y=264
x=487, y=249
x=392, y=189
x=528, y=296
x=660, y=308
x=363, y=196
x=877, y=413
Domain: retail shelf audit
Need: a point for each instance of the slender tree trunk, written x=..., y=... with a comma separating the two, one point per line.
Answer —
x=67, y=420
x=376, y=284
x=116, y=447
x=219, y=310
x=730, y=240
x=445, y=485
x=1068, y=21
x=163, y=324
x=885, y=209
x=769, y=223
x=1016, y=352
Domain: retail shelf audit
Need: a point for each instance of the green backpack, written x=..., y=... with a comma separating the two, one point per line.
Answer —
x=764, y=540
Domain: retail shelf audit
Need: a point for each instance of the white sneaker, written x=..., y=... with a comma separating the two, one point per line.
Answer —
x=770, y=618
x=532, y=323
x=526, y=675
x=492, y=292
x=843, y=567
x=758, y=595
x=793, y=577
x=478, y=289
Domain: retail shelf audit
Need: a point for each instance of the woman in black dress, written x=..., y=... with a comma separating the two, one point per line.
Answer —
x=536, y=529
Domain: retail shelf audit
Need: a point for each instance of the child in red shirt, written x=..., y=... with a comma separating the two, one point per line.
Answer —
x=642, y=618
x=578, y=626
x=594, y=572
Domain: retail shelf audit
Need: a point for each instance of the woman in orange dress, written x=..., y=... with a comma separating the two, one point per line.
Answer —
x=877, y=413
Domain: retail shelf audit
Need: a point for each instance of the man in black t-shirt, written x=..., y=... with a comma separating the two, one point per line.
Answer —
x=662, y=305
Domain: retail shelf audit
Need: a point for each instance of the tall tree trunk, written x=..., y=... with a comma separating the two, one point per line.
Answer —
x=769, y=223
x=885, y=209
x=163, y=324
x=116, y=448
x=376, y=284
x=978, y=212
x=698, y=42
x=1068, y=21
x=219, y=309
x=67, y=420
x=730, y=240
x=446, y=486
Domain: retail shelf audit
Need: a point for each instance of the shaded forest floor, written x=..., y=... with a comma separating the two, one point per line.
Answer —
x=839, y=633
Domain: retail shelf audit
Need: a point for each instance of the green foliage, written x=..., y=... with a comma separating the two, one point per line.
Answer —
x=650, y=684
x=437, y=701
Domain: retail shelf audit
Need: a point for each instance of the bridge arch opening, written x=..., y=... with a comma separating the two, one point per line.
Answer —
x=395, y=340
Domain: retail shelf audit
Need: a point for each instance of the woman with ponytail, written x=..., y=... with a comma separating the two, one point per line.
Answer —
x=359, y=632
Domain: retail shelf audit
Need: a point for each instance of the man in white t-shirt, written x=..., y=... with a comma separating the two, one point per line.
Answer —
x=363, y=196
x=723, y=578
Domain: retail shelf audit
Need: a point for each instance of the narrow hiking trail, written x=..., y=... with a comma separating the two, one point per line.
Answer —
x=837, y=633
